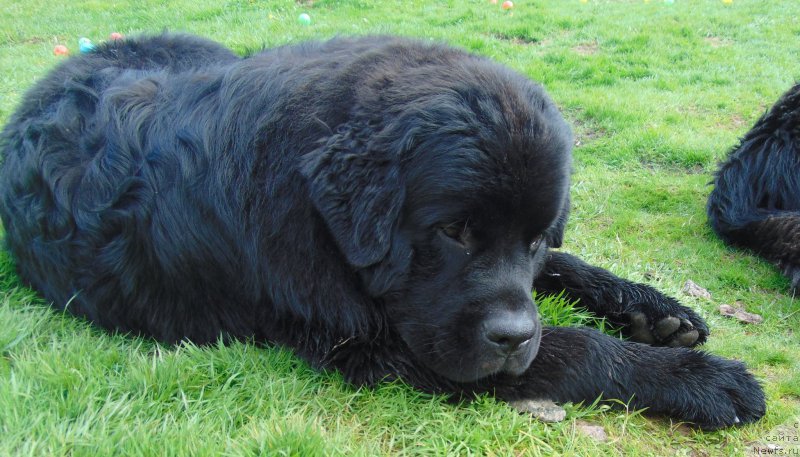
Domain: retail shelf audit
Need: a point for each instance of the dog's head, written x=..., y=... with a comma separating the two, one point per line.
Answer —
x=445, y=192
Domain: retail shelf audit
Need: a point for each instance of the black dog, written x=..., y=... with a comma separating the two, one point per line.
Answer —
x=379, y=205
x=755, y=203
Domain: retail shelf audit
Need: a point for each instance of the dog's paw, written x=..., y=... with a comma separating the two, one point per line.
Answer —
x=719, y=393
x=670, y=330
x=664, y=322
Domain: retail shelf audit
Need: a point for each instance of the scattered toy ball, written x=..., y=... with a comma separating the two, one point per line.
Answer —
x=507, y=5
x=304, y=19
x=60, y=50
x=669, y=2
x=727, y=2
x=115, y=36
x=85, y=45
x=493, y=2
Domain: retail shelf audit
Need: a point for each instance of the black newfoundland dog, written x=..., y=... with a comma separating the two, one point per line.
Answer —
x=755, y=203
x=379, y=205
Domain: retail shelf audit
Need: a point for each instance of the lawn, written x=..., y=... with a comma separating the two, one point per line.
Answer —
x=657, y=92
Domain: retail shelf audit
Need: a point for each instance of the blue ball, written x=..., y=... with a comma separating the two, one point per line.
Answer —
x=85, y=45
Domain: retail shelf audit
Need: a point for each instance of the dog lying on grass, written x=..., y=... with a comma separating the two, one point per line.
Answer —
x=755, y=203
x=379, y=205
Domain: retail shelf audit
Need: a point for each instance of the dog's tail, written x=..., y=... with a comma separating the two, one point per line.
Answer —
x=755, y=202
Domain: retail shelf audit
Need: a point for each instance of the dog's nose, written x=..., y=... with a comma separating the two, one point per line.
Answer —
x=510, y=330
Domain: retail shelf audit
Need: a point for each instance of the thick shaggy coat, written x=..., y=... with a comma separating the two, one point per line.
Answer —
x=755, y=203
x=381, y=206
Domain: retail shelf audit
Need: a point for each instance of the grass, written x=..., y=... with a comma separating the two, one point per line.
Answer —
x=657, y=93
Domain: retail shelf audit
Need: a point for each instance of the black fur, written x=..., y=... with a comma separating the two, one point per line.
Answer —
x=379, y=205
x=755, y=203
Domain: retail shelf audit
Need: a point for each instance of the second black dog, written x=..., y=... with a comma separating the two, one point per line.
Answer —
x=755, y=203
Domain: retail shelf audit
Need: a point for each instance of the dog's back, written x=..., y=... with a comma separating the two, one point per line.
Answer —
x=89, y=74
x=55, y=155
x=755, y=202
x=148, y=184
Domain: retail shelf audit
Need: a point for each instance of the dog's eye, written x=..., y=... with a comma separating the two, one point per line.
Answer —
x=536, y=243
x=457, y=232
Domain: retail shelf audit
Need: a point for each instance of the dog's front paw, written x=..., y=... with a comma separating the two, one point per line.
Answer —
x=713, y=392
x=653, y=318
x=683, y=329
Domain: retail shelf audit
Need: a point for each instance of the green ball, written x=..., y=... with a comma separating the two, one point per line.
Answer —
x=304, y=19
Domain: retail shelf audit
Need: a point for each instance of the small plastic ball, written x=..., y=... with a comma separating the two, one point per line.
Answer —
x=85, y=45
x=669, y=2
x=493, y=2
x=115, y=36
x=507, y=5
x=727, y=2
x=304, y=19
x=60, y=50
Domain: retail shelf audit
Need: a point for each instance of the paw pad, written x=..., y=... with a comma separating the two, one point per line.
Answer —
x=669, y=331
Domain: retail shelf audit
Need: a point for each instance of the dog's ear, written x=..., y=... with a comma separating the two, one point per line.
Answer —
x=355, y=185
x=555, y=233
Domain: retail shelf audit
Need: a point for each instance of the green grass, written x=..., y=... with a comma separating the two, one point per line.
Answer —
x=657, y=94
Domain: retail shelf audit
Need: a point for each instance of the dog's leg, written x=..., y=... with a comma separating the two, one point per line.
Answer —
x=776, y=238
x=581, y=365
x=647, y=315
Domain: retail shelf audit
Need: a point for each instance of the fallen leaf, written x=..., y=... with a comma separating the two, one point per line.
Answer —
x=691, y=288
x=738, y=313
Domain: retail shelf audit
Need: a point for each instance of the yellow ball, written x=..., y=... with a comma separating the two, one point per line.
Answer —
x=727, y=2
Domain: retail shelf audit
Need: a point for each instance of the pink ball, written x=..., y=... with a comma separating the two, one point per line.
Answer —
x=60, y=50
x=115, y=36
x=507, y=5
